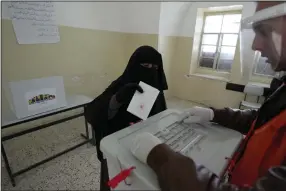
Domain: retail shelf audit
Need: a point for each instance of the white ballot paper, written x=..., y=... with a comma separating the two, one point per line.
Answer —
x=142, y=103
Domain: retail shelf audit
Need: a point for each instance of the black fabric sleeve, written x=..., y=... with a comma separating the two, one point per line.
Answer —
x=239, y=120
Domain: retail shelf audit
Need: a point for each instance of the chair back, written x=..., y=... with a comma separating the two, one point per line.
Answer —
x=254, y=90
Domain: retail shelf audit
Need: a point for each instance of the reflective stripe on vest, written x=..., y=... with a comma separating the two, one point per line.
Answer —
x=265, y=148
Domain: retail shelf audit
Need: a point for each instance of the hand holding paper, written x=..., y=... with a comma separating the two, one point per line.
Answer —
x=142, y=103
x=125, y=93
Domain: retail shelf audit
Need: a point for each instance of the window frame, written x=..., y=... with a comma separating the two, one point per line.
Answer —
x=219, y=41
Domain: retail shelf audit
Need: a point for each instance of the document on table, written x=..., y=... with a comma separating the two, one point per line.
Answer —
x=142, y=103
x=34, y=22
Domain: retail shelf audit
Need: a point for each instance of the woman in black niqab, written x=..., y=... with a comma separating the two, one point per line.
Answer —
x=145, y=65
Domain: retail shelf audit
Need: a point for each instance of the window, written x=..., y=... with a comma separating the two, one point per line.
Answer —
x=218, y=40
x=262, y=68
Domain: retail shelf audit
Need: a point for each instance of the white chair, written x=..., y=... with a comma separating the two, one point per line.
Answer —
x=252, y=90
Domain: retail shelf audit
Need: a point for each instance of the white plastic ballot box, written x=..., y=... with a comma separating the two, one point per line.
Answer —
x=208, y=144
x=31, y=97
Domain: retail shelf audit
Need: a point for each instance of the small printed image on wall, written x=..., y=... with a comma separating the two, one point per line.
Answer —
x=41, y=98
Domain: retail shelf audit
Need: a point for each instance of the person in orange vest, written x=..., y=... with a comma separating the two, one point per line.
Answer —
x=259, y=163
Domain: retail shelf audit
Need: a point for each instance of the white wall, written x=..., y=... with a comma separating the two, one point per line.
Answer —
x=166, y=18
x=132, y=17
x=179, y=18
x=172, y=17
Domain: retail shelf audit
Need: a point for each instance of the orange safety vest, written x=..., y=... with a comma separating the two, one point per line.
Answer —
x=264, y=149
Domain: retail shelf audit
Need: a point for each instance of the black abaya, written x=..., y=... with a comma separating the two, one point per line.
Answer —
x=96, y=112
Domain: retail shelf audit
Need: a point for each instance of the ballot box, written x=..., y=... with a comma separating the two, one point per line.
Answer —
x=207, y=144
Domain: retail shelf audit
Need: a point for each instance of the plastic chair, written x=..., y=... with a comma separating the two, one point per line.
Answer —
x=252, y=90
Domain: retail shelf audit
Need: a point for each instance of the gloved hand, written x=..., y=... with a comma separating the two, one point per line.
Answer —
x=143, y=144
x=198, y=115
x=124, y=95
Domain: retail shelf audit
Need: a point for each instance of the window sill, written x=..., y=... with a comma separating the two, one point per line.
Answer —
x=261, y=79
x=210, y=77
x=264, y=85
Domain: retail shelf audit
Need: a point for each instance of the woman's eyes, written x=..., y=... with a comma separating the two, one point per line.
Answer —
x=146, y=65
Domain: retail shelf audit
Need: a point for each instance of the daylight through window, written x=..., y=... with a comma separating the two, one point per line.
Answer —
x=219, y=40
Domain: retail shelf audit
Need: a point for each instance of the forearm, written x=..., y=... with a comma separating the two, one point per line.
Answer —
x=236, y=119
x=114, y=106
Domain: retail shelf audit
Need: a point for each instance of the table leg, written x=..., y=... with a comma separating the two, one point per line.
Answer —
x=7, y=165
x=86, y=136
x=87, y=131
x=86, y=128
x=93, y=140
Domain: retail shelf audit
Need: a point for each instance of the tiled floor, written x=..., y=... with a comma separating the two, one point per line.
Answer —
x=76, y=170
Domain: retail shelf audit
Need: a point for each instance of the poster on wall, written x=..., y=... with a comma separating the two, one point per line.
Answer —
x=41, y=98
x=34, y=22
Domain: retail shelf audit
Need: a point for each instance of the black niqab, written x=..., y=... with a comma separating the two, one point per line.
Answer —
x=96, y=112
x=134, y=72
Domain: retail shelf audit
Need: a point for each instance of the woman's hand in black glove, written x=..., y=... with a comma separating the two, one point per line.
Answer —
x=124, y=95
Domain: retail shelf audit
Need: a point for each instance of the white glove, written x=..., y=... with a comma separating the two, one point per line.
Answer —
x=143, y=144
x=198, y=115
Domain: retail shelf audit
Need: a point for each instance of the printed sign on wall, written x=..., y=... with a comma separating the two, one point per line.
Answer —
x=41, y=98
x=34, y=22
